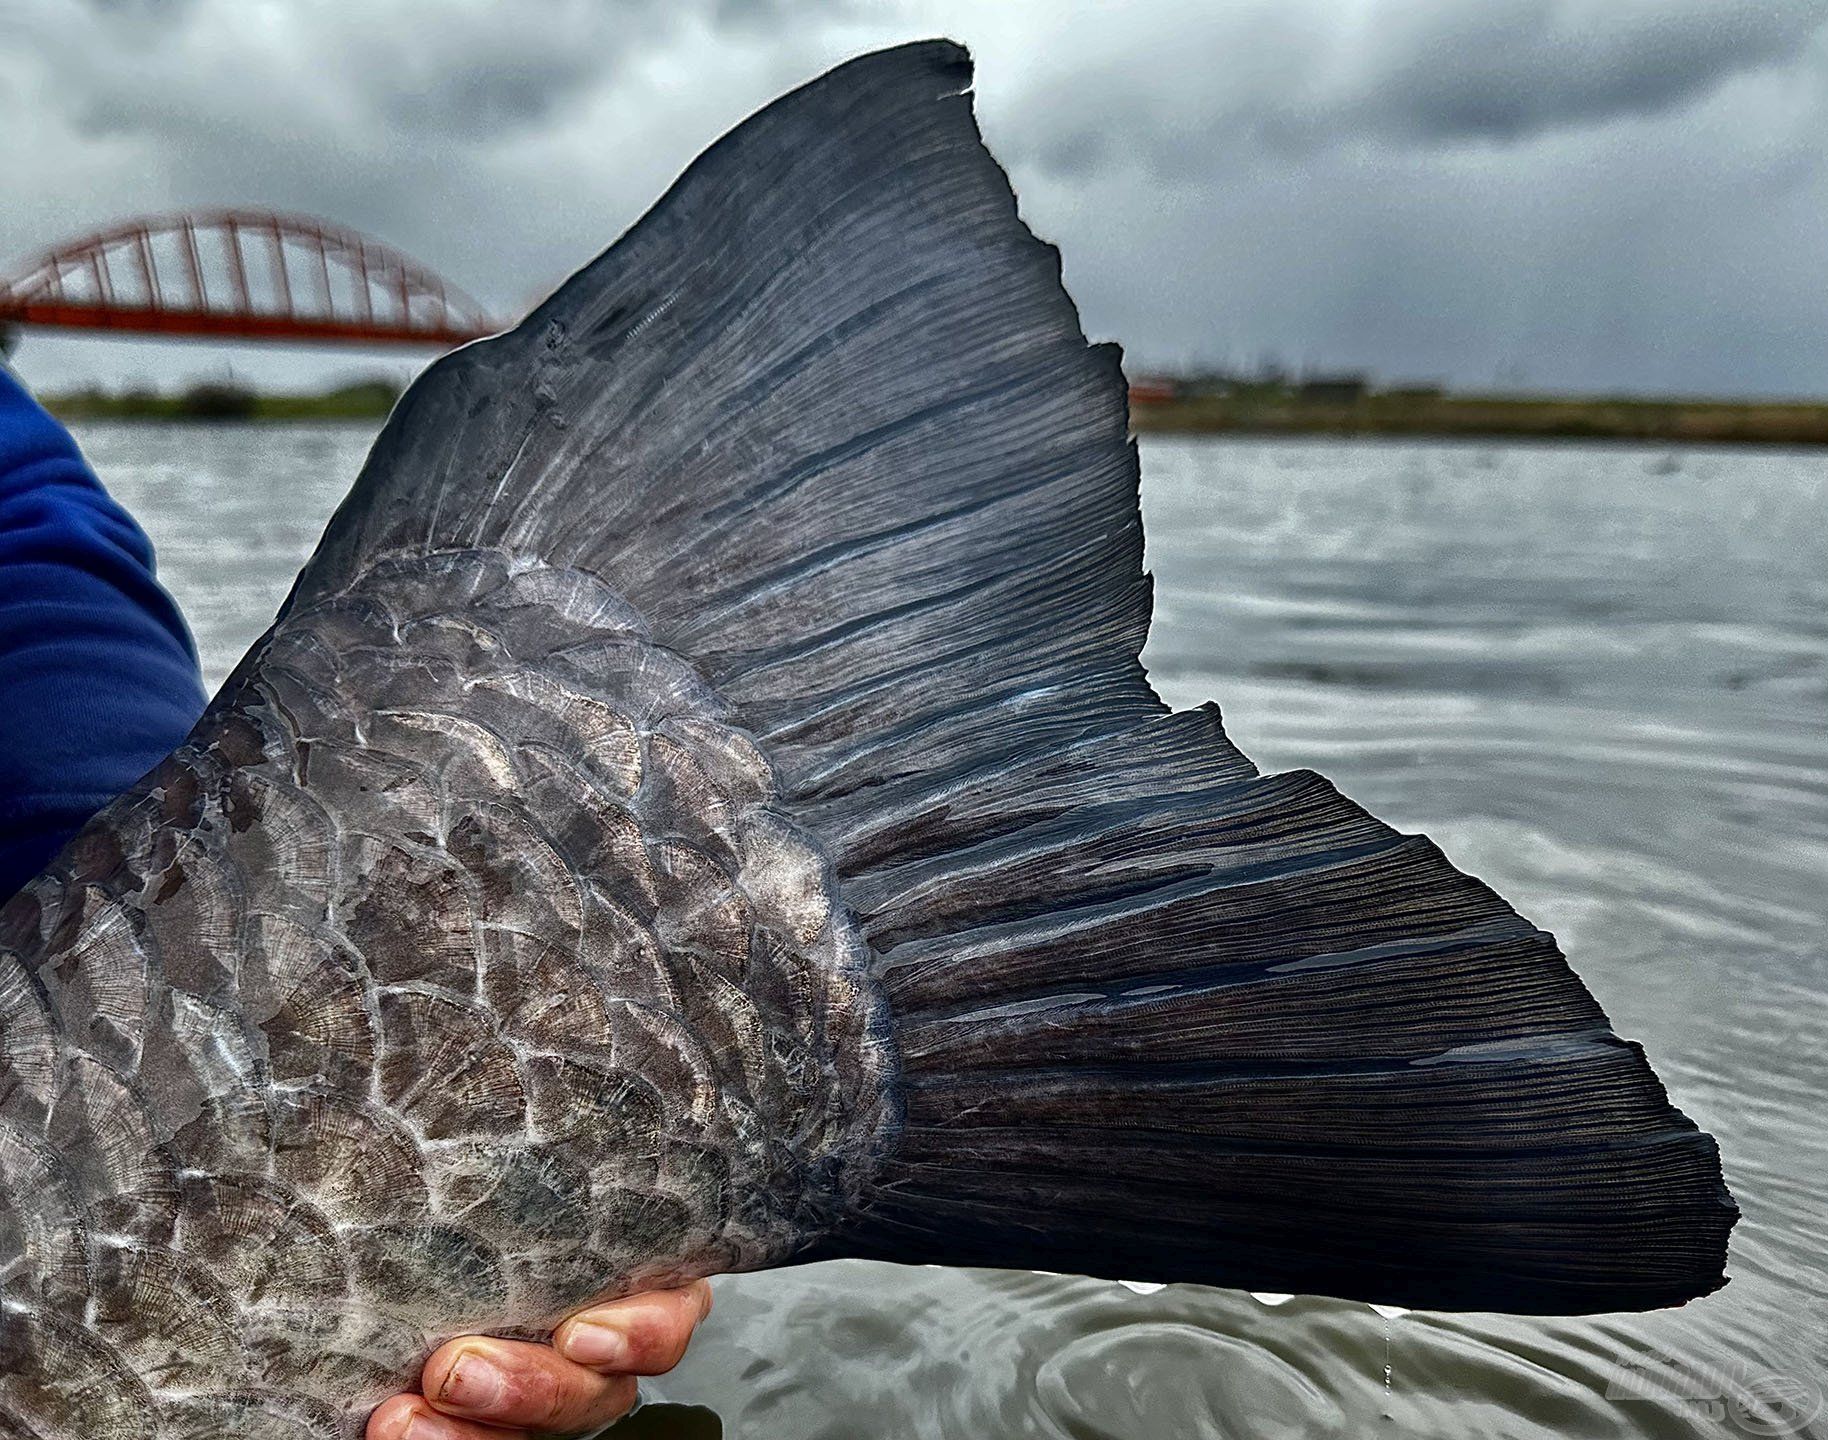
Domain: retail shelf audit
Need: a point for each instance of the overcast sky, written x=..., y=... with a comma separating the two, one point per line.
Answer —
x=1578, y=194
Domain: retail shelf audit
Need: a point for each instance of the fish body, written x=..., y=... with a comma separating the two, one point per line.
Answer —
x=366, y=1021
x=700, y=809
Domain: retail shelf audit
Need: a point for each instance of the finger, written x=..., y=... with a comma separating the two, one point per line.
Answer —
x=507, y=1382
x=643, y=1335
x=410, y=1417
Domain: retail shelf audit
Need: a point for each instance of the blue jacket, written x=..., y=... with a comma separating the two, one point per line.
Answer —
x=98, y=675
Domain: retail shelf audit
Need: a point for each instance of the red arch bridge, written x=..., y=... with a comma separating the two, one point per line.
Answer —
x=240, y=275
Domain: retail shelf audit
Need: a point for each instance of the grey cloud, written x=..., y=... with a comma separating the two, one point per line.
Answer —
x=1407, y=73
x=487, y=99
x=459, y=72
x=1509, y=69
x=473, y=73
x=1074, y=152
x=1615, y=194
x=761, y=14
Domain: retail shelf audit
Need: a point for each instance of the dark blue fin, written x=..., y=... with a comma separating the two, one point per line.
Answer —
x=1237, y=1031
x=826, y=419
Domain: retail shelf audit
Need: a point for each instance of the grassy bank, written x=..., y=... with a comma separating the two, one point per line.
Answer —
x=1530, y=417
x=367, y=400
x=1259, y=412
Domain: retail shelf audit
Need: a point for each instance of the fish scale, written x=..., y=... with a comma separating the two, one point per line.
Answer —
x=479, y=1067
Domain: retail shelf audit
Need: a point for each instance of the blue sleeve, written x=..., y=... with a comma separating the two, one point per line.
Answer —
x=98, y=675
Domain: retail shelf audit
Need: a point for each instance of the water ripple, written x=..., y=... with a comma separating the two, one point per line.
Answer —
x=1596, y=674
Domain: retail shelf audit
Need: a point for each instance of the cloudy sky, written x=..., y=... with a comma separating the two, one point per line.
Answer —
x=1552, y=194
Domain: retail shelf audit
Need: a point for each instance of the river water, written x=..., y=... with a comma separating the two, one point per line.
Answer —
x=1597, y=675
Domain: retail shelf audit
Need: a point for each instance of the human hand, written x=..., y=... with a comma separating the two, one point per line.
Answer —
x=478, y=1388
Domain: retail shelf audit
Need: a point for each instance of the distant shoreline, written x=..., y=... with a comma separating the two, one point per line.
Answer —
x=1514, y=417
x=216, y=402
x=1395, y=413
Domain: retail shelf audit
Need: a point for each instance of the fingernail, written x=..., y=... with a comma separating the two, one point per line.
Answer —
x=596, y=1345
x=430, y=1427
x=474, y=1382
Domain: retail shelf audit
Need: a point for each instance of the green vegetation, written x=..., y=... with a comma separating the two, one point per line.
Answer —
x=217, y=400
x=1276, y=411
x=1156, y=407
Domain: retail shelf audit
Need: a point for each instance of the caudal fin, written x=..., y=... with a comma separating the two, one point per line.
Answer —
x=1223, y=1027
x=827, y=422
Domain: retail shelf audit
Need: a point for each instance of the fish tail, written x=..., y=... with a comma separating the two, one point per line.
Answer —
x=827, y=424
x=1160, y=1017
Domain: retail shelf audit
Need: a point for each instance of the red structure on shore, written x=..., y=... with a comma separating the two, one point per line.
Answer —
x=240, y=275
